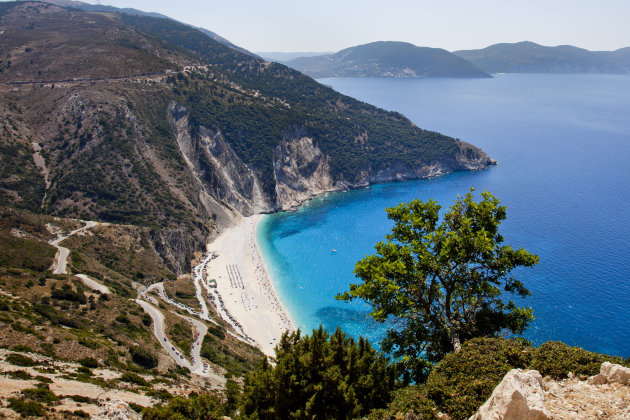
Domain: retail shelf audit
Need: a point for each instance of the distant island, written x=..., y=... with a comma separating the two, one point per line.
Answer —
x=282, y=57
x=387, y=59
x=528, y=57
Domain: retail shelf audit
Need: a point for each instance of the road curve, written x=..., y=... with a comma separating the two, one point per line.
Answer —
x=61, y=258
x=60, y=263
x=197, y=367
x=158, y=330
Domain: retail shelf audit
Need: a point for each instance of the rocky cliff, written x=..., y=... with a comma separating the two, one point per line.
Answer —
x=301, y=170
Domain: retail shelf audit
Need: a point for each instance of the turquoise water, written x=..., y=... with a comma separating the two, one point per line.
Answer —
x=563, y=146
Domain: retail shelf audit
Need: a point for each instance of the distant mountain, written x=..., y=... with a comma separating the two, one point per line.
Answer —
x=387, y=59
x=528, y=57
x=281, y=57
x=86, y=7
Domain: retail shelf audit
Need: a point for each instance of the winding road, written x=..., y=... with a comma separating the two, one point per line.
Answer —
x=147, y=303
x=60, y=263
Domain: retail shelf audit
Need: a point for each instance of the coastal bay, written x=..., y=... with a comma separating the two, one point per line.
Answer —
x=562, y=146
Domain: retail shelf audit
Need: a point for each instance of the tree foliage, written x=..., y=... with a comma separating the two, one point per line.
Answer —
x=320, y=376
x=446, y=281
x=196, y=407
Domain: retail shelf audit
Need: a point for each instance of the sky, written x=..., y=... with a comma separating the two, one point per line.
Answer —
x=331, y=25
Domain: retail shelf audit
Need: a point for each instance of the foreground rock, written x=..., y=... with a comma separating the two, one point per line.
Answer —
x=519, y=396
x=524, y=395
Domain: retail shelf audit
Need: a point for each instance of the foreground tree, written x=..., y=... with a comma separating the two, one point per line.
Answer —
x=321, y=376
x=446, y=282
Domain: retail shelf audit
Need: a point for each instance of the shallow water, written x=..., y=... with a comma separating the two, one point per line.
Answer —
x=563, y=146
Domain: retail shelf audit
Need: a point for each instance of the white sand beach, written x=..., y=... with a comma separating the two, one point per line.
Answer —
x=245, y=286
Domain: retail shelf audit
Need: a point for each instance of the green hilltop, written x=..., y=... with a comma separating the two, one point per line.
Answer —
x=387, y=59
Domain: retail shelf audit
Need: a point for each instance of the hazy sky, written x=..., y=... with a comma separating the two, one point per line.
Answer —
x=331, y=25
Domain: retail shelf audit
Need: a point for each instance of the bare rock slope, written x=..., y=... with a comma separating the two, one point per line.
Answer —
x=524, y=395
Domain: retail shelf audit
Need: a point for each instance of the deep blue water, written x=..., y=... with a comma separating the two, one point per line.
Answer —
x=563, y=146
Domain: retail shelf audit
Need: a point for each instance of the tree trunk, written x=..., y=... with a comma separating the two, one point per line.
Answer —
x=457, y=346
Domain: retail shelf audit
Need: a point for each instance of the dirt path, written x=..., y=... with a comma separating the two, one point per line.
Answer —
x=60, y=263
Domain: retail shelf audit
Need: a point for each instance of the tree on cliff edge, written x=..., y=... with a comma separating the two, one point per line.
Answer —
x=445, y=282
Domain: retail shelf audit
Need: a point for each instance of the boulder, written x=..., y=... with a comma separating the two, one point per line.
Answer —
x=599, y=379
x=519, y=396
x=615, y=373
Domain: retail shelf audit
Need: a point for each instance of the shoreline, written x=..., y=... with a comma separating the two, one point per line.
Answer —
x=245, y=286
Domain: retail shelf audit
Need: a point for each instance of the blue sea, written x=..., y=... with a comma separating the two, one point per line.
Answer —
x=563, y=146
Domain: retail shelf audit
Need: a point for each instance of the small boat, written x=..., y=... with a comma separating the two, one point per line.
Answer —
x=333, y=250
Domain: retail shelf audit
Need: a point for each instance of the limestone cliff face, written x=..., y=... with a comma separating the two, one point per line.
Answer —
x=301, y=172
x=228, y=187
x=468, y=158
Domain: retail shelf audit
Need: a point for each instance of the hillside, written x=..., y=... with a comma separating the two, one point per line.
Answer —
x=528, y=57
x=145, y=121
x=386, y=59
x=86, y=7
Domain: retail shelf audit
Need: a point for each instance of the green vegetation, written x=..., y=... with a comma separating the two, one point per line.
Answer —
x=27, y=408
x=233, y=356
x=182, y=335
x=556, y=359
x=41, y=394
x=20, y=374
x=133, y=378
x=460, y=383
x=197, y=407
x=321, y=376
x=89, y=362
x=20, y=360
x=447, y=282
x=143, y=357
x=25, y=253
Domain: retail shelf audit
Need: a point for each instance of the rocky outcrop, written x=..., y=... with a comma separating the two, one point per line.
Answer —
x=301, y=172
x=219, y=172
x=519, y=396
x=524, y=395
x=116, y=410
x=176, y=248
x=611, y=373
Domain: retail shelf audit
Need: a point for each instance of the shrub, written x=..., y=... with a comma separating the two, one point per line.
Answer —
x=66, y=293
x=557, y=359
x=206, y=406
x=83, y=369
x=22, y=348
x=27, y=408
x=143, y=357
x=20, y=360
x=20, y=374
x=41, y=394
x=321, y=376
x=133, y=378
x=160, y=394
x=89, y=362
x=80, y=398
x=412, y=399
x=463, y=381
x=136, y=407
